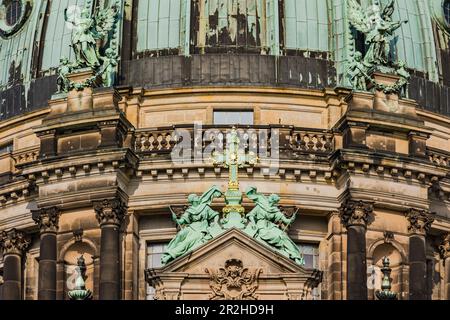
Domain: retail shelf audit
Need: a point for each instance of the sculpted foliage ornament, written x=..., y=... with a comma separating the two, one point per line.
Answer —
x=14, y=242
x=378, y=27
x=419, y=221
x=234, y=282
x=354, y=213
x=47, y=219
x=110, y=211
x=444, y=248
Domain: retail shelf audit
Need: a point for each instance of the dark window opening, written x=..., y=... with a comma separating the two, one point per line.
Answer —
x=13, y=12
x=235, y=26
x=447, y=11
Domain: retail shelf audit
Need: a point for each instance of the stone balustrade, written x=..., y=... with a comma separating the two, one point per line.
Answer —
x=292, y=140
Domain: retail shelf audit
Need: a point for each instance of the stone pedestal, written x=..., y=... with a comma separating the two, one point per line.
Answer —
x=355, y=216
x=419, y=223
x=110, y=215
x=13, y=244
x=47, y=219
x=81, y=100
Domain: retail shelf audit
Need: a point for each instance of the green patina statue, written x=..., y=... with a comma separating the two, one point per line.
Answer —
x=378, y=27
x=358, y=72
x=199, y=224
x=80, y=292
x=65, y=67
x=386, y=285
x=264, y=225
x=90, y=42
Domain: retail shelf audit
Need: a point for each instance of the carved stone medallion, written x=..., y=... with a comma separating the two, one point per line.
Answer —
x=234, y=282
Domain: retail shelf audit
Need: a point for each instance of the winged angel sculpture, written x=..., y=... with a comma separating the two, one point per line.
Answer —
x=87, y=31
x=90, y=34
x=377, y=25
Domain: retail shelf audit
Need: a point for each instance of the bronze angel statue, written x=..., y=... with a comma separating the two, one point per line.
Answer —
x=377, y=25
x=89, y=30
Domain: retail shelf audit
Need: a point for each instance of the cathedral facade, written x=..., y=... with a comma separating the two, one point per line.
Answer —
x=224, y=149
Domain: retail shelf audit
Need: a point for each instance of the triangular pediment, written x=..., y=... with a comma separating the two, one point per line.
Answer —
x=234, y=244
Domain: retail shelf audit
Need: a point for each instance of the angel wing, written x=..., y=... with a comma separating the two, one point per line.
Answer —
x=105, y=20
x=388, y=10
x=357, y=16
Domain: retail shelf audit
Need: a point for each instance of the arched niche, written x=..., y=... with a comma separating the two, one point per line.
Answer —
x=397, y=258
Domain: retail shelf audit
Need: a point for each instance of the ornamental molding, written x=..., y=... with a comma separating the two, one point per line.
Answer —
x=47, y=219
x=14, y=242
x=234, y=282
x=110, y=211
x=419, y=221
x=355, y=213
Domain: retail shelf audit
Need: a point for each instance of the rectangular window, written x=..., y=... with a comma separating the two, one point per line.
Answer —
x=310, y=252
x=155, y=252
x=233, y=117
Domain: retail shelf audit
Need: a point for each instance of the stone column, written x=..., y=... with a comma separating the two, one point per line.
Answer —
x=110, y=214
x=13, y=243
x=419, y=223
x=445, y=254
x=48, y=220
x=355, y=216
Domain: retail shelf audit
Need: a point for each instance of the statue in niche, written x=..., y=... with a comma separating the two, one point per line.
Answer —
x=377, y=25
x=263, y=226
x=199, y=224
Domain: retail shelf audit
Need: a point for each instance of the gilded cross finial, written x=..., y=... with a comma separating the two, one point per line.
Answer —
x=234, y=158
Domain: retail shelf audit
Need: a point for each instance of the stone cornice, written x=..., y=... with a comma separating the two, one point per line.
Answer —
x=419, y=221
x=47, y=219
x=14, y=242
x=355, y=213
x=110, y=211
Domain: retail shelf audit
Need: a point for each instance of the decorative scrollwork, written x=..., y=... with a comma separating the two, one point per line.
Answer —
x=234, y=282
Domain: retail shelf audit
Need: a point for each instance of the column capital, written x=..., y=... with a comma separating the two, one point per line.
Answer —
x=47, y=219
x=110, y=211
x=444, y=248
x=14, y=242
x=355, y=213
x=419, y=221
